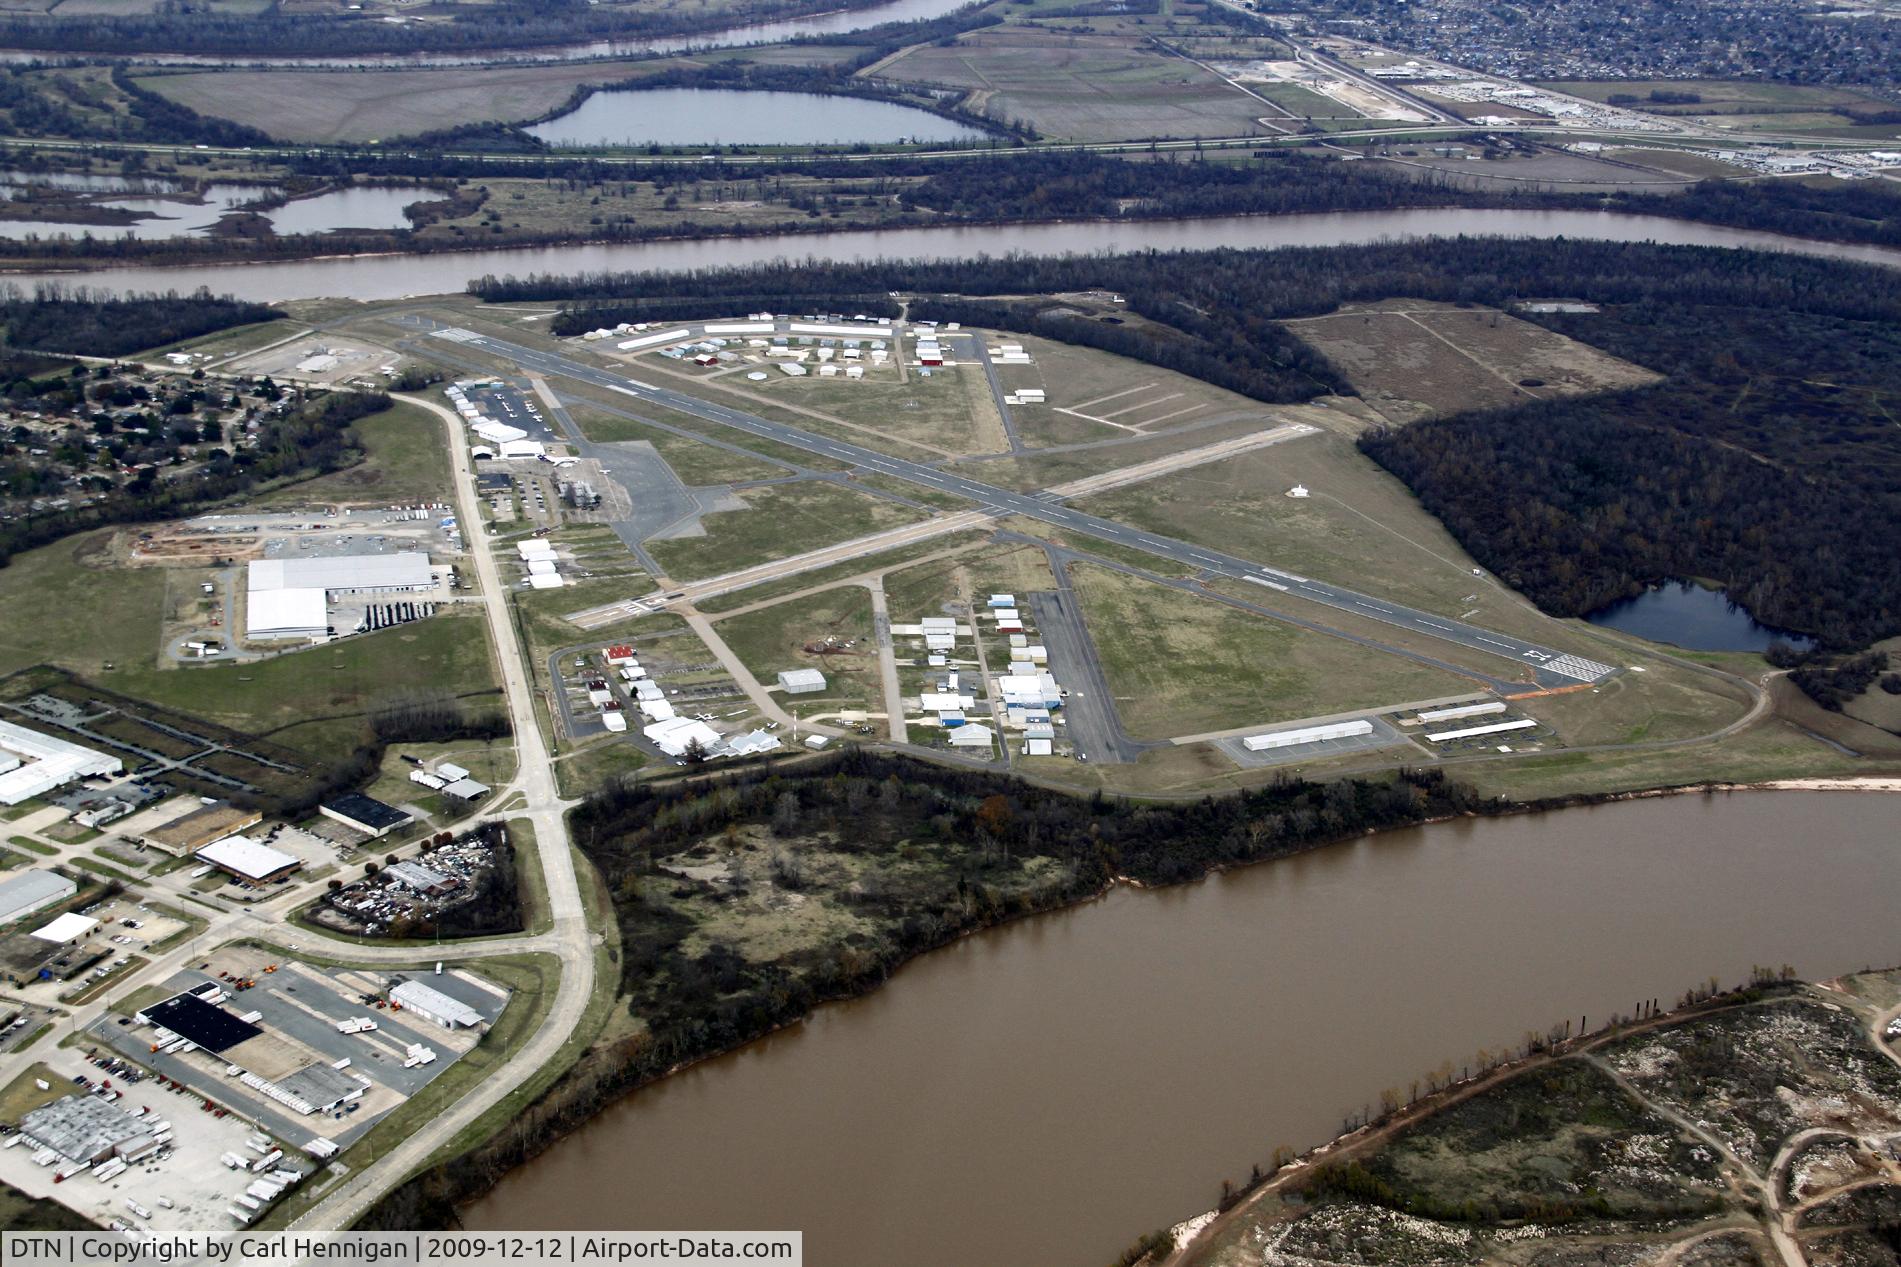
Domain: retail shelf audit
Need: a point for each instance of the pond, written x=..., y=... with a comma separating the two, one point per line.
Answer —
x=730, y=116
x=176, y=214
x=1692, y=617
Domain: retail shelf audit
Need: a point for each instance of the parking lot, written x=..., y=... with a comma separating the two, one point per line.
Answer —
x=299, y=1006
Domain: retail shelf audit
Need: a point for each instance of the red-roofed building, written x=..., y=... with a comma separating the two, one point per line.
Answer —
x=620, y=655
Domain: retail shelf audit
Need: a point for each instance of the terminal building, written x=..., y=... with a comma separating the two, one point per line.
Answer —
x=33, y=764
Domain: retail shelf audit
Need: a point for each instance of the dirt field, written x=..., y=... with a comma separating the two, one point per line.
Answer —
x=1094, y=87
x=1410, y=359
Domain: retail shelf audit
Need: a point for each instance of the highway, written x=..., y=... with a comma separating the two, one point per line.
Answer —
x=1549, y=666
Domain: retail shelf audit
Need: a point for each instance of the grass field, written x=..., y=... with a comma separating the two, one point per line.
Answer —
x=1108, y=86
x=783, y=519
x=85, y=612
x=406, y=460
x=952, y=411
x=1113, y=397
x=447, y=652
x=1359, y=527
x=773, y=639
x=1182, y=665
x=582, y=770
x=368, y=105
x=1412, y=359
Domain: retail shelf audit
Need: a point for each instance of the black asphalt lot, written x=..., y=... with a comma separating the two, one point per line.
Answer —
x=1093, y=726
x=1551, y=667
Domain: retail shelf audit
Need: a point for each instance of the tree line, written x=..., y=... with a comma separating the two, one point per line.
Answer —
x=80, y=322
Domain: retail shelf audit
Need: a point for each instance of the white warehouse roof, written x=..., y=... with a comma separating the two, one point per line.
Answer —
x=1307, y=734
x=38, y=763
x=675, y=735
x=67, y=927
x=434, y=1003
x=407, y=570
x=247, y=857
x=1474, y=731
x=288, y=613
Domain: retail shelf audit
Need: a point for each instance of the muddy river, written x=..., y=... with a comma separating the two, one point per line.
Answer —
x=397, y=276
x=1041, y=1094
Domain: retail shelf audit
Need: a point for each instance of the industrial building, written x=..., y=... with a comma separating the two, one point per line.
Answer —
x=1307, y=734
x=66, y=929
x=33, y=764
x=433, y=1005
x=1473, y=732
x=801, y=681
x=86, y=1128
x=406, y=572
x=1464, y=710
x=289, y=598
x=422, y=880
x=249, y=860
x=286, y=615
x=29, y=891
x=675, y=735
x=364, y=814
x=196, y=828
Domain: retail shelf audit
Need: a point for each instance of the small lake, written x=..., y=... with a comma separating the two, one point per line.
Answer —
x=731, y=116
x=177, y=215
x=1689, y=616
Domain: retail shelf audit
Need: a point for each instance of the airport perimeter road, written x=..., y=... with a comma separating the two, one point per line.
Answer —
x=1551, y=667
x=569, y=939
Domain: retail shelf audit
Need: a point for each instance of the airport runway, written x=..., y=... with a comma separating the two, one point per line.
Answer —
x=1550, y=667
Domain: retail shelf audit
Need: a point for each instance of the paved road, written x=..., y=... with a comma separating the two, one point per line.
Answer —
x=1093, y=723
x=569, y=938
x=1550, y=666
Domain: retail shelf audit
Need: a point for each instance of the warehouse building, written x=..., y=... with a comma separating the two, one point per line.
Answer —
x=249, y=860
x=85, y=1129
x=1465, y=710
x=801, y=681
x=66, y=929
x=33, y=764
x=433, y=1005
x=31, y=891
x=406, y=572
x=675, y=735
x=424, y=881
x=289, y=598
x=1307, y=734
x=286, y=615
x=364, y=814
x=1474, y=732
x=195, y=829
